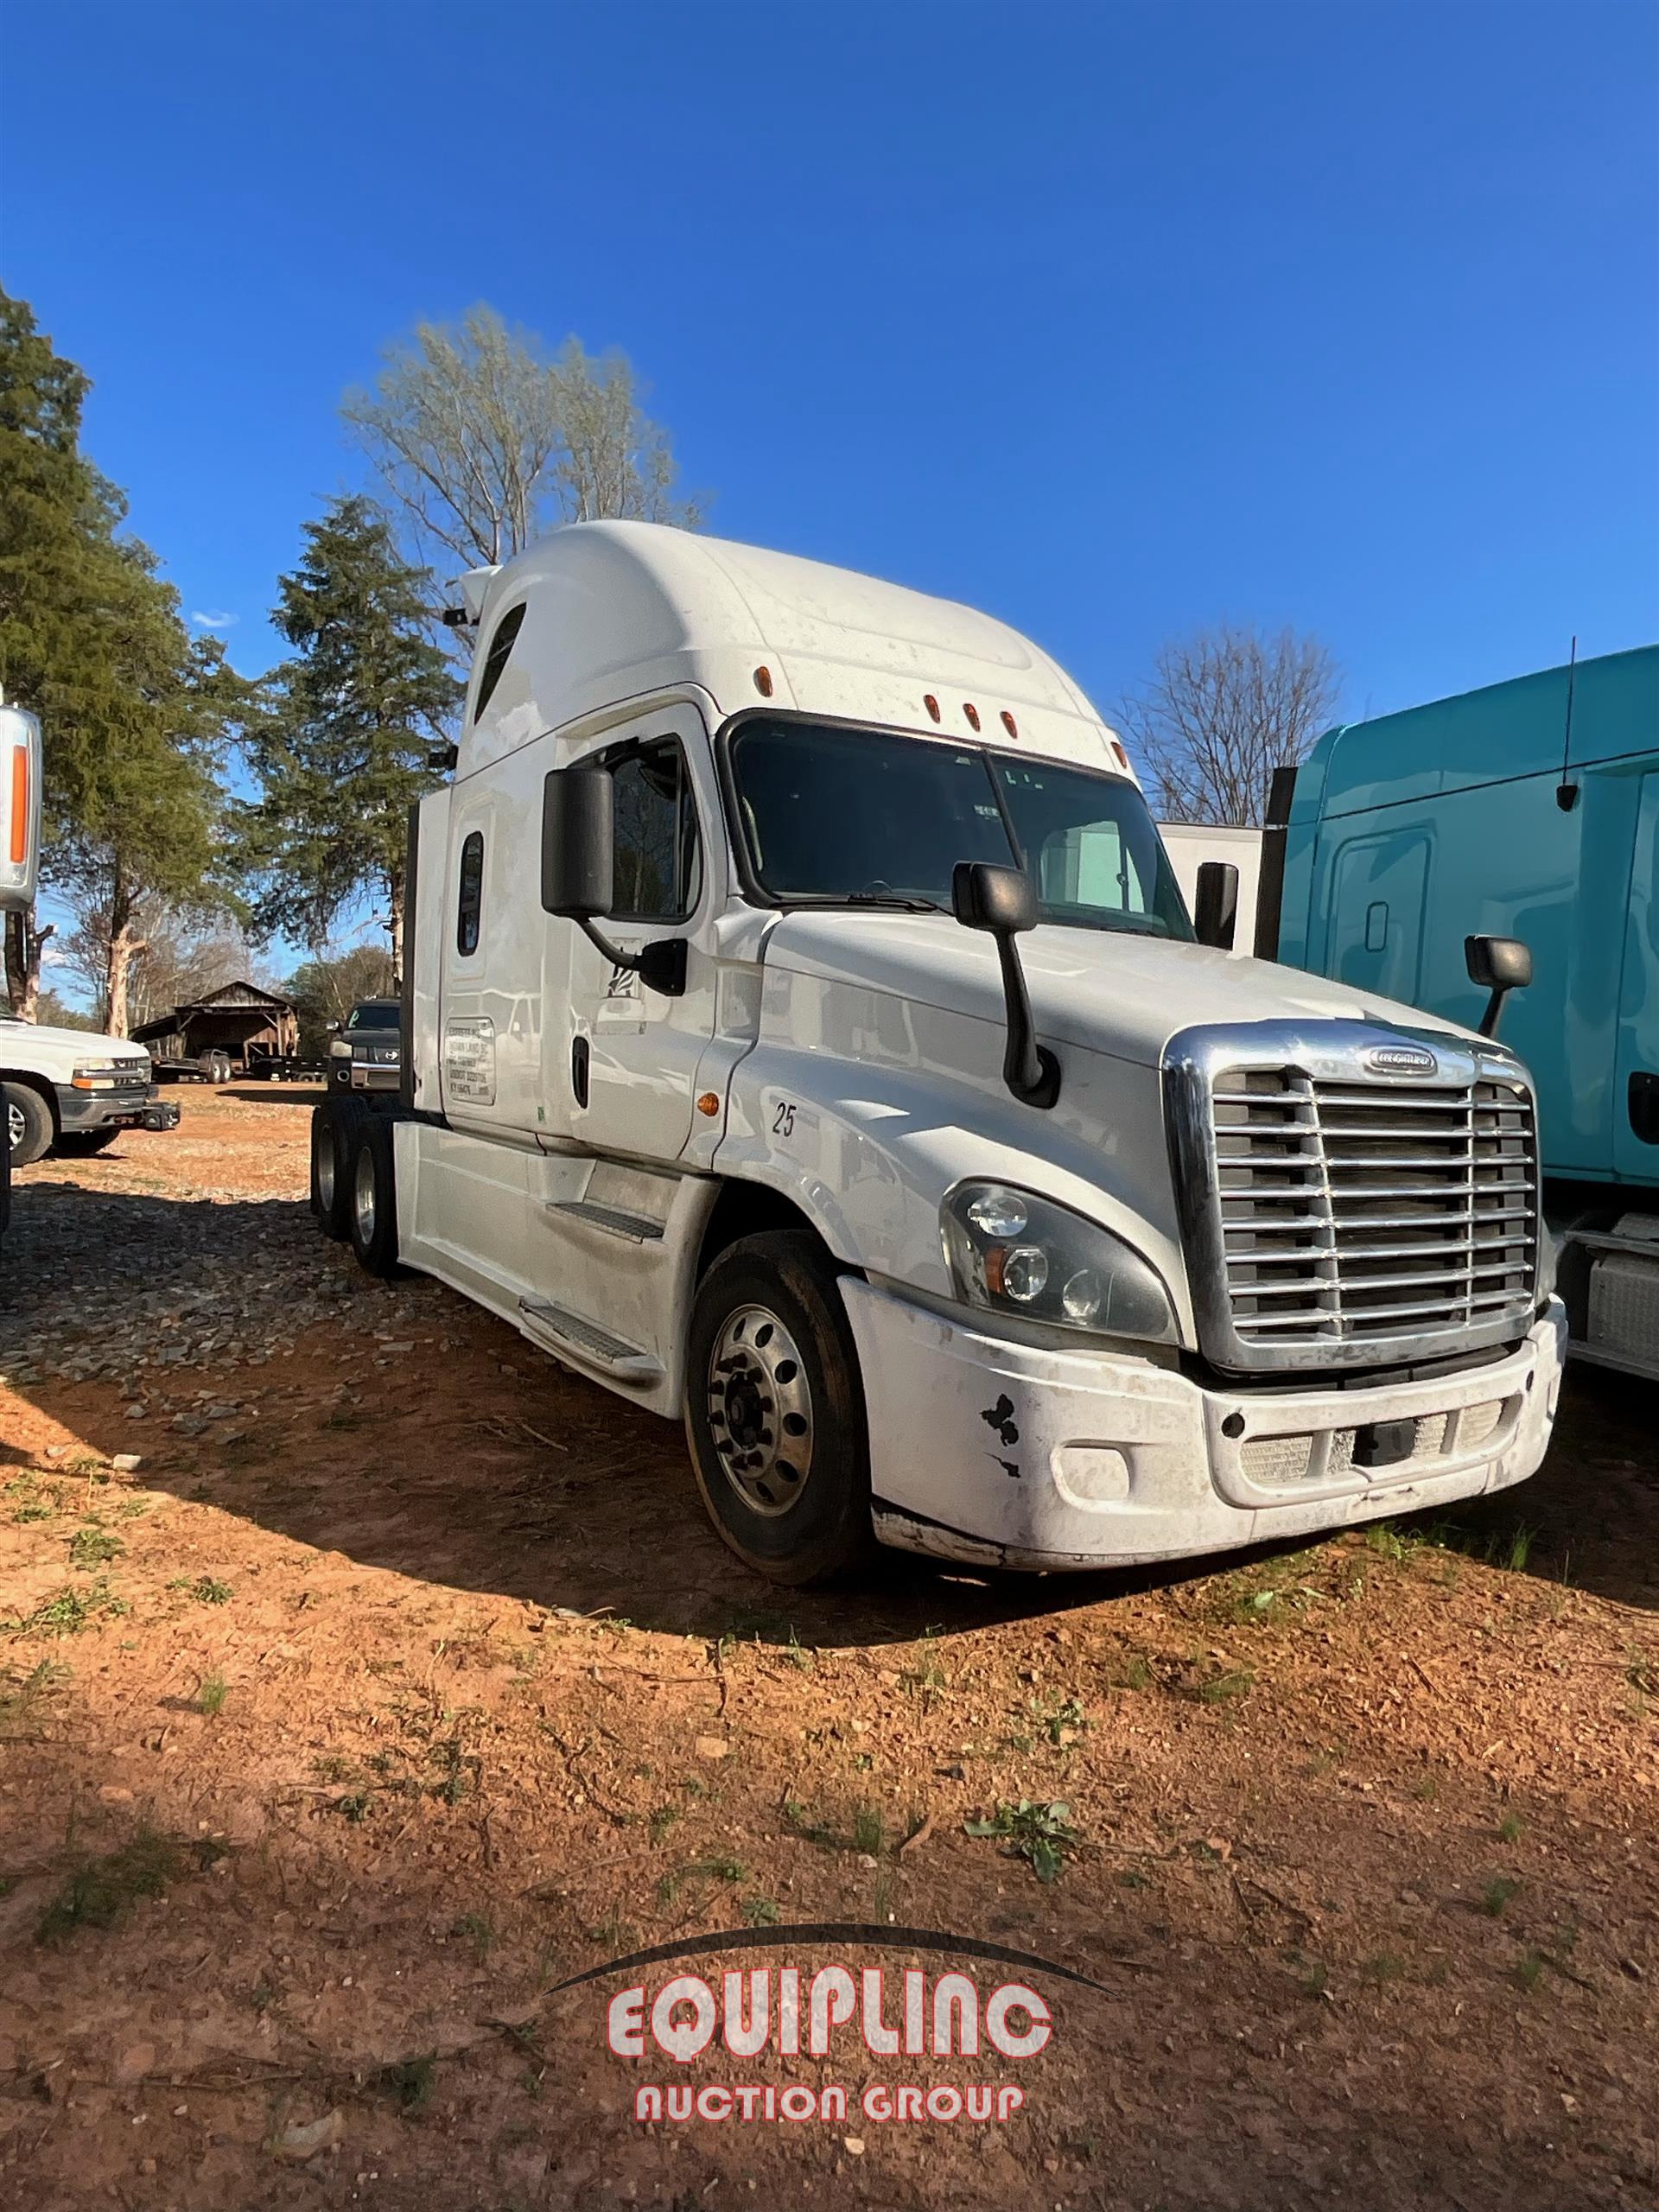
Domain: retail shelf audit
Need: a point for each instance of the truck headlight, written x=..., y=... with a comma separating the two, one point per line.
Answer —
x=100, y=1075
x=340, y=1048
x=1016, y=1253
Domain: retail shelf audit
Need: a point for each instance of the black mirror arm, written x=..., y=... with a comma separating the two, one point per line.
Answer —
x=660, y=966
x=1494, y=1007
x=1030, y=1070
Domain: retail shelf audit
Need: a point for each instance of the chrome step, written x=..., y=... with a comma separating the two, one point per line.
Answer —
x=596, y=1345
x=615, y=1221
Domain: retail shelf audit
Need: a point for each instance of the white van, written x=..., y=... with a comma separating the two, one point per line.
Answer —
x=804, y=1037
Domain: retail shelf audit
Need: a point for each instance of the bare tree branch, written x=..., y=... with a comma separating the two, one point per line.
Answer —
x=485, y=444
x=1221, y=710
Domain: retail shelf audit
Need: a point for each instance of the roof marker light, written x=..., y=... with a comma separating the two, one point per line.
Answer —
x=1009, y=723
x=972, y=713
x=932, y=704
x=763, y=682
x=1122, y=756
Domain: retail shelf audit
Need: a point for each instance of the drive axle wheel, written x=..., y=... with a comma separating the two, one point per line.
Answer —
x=775, y=1411
x=374, y=1197
x=330, y=1165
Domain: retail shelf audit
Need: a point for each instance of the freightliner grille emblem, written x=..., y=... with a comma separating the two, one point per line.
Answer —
x=1401, y=1059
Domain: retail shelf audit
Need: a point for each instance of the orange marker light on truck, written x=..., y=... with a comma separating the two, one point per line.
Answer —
x=709, y=1103
x=763, y=682
x=932, y=704
x=972, y=713
x=19, y=804
x=1009, y=723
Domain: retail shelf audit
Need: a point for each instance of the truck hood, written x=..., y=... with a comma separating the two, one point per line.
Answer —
x=1104, y=990
x=20, y=1041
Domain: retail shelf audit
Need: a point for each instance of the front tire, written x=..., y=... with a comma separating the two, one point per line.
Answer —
x=28, y=1123
x=373, y=1198
x=775, y=1411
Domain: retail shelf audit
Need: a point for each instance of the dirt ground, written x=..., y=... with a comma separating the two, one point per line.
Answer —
x=402, y=1678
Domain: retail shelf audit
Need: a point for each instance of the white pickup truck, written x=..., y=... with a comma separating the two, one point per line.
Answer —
x=803, y=1035
x=62, y=1089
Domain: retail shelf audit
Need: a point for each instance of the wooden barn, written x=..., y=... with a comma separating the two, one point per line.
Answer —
x=240, y=1020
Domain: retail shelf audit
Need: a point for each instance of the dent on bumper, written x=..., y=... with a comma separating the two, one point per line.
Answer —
x=1002, y=1453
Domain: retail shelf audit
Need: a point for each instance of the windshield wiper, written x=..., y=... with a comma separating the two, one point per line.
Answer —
x=907, y=904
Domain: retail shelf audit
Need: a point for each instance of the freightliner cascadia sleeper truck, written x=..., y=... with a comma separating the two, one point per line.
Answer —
x=805, y=1038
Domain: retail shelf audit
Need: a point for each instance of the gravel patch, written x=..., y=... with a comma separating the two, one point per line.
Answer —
x=100, y=1284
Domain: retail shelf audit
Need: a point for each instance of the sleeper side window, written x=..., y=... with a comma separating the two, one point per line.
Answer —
x=499, y=653
x=471, y=904
x=658, y=853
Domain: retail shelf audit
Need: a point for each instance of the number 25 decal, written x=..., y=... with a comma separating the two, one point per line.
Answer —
x=783, y=1121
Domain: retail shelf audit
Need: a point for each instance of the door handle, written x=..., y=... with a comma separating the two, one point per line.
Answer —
x=579, y=1069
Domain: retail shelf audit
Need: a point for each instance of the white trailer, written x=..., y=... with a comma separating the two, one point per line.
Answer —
x=1193, y=845
x=805, y=1038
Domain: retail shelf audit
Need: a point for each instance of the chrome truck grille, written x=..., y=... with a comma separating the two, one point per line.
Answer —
x=1356, y=1197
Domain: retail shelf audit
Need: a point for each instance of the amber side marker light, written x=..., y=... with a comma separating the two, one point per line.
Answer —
x=709, y=1103
x=1122, y=756
x=19, y=804
x=972, y=713
x=932, y=704
x=1009, y=723
x=763, y=682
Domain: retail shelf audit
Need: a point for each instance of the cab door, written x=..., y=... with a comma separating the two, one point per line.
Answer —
x=621, y=1060
x=1636, y=1091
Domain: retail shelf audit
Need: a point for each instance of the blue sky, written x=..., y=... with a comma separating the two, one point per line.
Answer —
x=1115, y=321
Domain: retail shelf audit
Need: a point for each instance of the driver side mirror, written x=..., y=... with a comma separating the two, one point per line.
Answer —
x=579, y=872
x=578, y=851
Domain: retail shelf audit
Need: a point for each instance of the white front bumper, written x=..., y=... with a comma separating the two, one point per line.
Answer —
x=1002, y=1453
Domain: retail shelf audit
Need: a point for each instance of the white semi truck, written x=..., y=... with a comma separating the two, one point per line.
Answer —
x=805, y=1038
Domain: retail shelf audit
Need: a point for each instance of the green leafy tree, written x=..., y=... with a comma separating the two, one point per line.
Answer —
x=343, y=746
x=133, y=710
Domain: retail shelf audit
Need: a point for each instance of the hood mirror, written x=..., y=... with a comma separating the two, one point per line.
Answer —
x=1001, y=901
x=1215, y=909
x=1500, y=965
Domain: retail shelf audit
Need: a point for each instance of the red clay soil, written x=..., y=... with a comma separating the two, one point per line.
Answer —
x=403, y=1678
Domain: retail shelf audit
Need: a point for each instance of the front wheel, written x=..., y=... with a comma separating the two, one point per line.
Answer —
x=775, y=1411
x=28, y=1123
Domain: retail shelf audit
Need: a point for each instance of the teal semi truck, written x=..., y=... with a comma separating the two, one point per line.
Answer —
x=1528, y=809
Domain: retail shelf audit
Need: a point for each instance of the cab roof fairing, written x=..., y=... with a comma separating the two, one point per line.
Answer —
x=621, y=610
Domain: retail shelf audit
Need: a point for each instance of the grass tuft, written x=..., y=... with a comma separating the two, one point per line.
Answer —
x=101, y=1891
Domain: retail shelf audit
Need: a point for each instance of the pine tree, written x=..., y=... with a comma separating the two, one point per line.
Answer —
x=132, y=710
x=343, y=747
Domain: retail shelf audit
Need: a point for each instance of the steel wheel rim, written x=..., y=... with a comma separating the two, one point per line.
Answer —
x=761, y=1410
x=363, y=1195
x=326, y=1171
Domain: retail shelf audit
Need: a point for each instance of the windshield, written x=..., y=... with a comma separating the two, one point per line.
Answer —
x=834, y=817
x=377, y=1014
